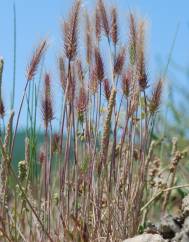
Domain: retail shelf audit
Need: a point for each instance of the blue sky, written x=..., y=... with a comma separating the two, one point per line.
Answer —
x=39, y=18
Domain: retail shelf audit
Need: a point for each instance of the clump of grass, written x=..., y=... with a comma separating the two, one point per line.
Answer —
x=93, y=173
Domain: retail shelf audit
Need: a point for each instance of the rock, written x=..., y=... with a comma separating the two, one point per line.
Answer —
x=183, y=236
x=186, y=225
x=146, y=238
x=185, y=206
x=169, y=227
x=180, y=237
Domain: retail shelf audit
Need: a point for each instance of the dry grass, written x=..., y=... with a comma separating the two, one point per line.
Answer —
x=94, y=176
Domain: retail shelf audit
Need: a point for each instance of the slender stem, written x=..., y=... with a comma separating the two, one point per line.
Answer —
x=14, y=59
x=159, y=194
x=18, y=118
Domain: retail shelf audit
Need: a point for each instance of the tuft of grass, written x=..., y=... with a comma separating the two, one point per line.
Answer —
x=95, y=178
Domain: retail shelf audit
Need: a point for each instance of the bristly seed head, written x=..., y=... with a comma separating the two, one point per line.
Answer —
x=89, y=40
x=114, y=26
x=22, y=170
x=133, y=39
x=82, y=101
x=71, y=32
x=55, y=142
x=2, y=109
x=71, y=85
x=120, y=61
x=141, y=65
x=62, y=72
x=47, y=106
x=126, y=81
x=38, y=54
x=106, y=131
x=1, y=69
x=80, y=70
x=42, y=155
x=98, y=26
x=104, y=18
x=134, y=98
x=107, y=89
x=156, y=97
x=99, y=65
x=93, y=84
